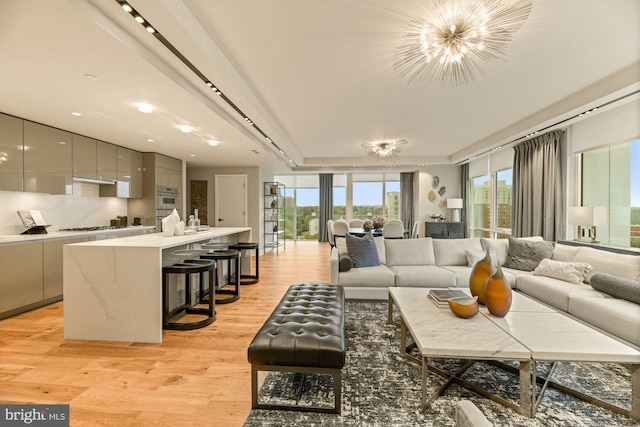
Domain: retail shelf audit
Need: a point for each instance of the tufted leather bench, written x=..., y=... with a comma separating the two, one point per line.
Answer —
x=304, y=334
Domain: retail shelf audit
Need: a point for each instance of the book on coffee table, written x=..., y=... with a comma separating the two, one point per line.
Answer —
x=440, y=297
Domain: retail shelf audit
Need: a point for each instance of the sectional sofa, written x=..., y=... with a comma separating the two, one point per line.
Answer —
x=444, y=263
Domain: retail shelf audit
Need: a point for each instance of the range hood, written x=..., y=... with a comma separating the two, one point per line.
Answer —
x=93, y=181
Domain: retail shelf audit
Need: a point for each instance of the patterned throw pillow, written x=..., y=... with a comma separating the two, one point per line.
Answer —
x=573, y=272
x=362, y=250
x=526, y=255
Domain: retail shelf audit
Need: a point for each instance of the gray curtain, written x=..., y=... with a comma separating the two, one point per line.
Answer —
x=326, y=205
x=539, y=176
x=466, y=197
x=406, y=198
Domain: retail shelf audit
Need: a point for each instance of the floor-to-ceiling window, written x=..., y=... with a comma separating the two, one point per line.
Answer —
x=364, y=196
x=490, y=204
x=611, y=178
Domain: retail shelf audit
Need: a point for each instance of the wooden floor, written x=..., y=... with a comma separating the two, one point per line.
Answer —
x=193, y=378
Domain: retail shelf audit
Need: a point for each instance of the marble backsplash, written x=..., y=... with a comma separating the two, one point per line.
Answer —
x=85, y=208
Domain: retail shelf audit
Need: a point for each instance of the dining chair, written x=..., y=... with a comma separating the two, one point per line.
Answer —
x=330, y=232
x=356, y=223
x=415, y=230
x=340, y=229
x=393, y=230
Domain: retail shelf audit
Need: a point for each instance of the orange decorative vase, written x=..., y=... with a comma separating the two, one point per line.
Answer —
x=480, y=272
x=497, y=293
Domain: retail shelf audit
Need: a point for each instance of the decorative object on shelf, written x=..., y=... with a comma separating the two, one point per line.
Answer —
x=497, y=294
x=273, y=190
x=274, y=211
x=378, y=223
x=366, y=226
x=435, y=217
x=480, y=272
x=384, y=149
x=455, y=205
x=275, y=228
x=445, y=47
x=464, y=307
x=587, y=218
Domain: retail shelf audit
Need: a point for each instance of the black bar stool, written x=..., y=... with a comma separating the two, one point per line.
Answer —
x=249, y=279
x=203, y=295
x=232, y=257
x=170, y=316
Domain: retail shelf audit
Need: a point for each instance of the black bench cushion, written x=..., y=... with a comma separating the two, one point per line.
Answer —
x=305, y=329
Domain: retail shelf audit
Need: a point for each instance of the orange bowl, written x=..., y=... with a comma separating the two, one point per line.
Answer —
x=464, y=307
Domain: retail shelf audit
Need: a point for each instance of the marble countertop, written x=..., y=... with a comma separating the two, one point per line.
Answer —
x=24, y=238
x=158, y=240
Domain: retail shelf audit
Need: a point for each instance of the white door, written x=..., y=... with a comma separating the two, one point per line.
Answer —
x=231, y=201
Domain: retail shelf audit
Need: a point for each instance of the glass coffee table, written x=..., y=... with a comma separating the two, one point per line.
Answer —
x=531, y=332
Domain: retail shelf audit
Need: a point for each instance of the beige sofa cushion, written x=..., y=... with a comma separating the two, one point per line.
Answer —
x=376, y=276
x=452, y=251
x=616, y=316
x=621, y=265
x=554, y=292
x=423, y=276
x=410, y=251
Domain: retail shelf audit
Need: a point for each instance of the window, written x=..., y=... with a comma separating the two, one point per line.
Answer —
x=611, y=178
x=480, y=206
x=376, y=195
x=307, y=194
x=490, y=205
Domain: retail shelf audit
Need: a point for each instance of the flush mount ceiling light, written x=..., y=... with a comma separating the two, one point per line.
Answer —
x=445, y=48
x=144, y=107
x=213, y=142
x=186, y=129
x=384, y=149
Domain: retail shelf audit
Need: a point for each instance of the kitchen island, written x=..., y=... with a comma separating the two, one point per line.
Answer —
x=113, y=288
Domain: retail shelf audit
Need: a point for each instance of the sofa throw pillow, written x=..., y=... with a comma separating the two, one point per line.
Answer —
x=615, y=286
x=567, y=271
x=362, y=250
x=474, y=256
x=526, y=254
x=344, y=262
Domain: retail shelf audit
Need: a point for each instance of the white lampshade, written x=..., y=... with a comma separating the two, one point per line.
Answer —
x=454, y=203
x=587, y=215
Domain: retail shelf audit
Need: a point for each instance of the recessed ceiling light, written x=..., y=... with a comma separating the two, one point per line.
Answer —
x=192, y=155
x=91, y=77
x=145, y=108
x=151, y=29
x=213, y=142
x=75, y=113
x=127, y=7
x=186, y=129
x=150, y=140
x=139, y=19
x=62, y=143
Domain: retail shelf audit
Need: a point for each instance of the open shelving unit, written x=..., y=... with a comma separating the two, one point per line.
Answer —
x=274, y=224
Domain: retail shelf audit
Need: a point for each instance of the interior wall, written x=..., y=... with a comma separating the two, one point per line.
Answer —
x=85, y=208
x=255, y=176
x=448, y=178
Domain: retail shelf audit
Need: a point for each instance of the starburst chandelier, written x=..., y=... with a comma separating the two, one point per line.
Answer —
x=446, y=47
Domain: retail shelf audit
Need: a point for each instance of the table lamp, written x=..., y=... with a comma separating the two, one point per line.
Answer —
x=587, y=218
x=455, y=205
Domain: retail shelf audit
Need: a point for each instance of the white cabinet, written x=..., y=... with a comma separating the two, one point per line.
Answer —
x=93, y=159
x=48, y=155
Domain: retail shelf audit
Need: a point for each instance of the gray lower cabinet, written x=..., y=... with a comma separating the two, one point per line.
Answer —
x=52, y=258
x=21, y=279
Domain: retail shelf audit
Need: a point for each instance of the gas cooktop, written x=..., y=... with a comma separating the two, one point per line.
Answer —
x=95, y=228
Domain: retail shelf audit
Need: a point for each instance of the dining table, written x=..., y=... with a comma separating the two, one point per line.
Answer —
x=359, y=231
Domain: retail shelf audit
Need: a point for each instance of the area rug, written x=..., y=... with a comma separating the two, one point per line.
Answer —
x=380, y=388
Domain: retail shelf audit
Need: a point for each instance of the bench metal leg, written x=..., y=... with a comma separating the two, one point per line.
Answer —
x=337, y=388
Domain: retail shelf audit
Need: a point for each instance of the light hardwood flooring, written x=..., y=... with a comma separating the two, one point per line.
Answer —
x=193, y=378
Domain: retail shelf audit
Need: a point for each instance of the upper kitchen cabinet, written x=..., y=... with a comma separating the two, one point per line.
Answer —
x=129, y=175
x=84, y=157
x=106, y=161
x=11, y=153
x=168, y=172
x=48, y=158
x=93, y=159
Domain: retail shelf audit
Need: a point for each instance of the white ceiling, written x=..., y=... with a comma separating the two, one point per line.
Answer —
x=315, y=76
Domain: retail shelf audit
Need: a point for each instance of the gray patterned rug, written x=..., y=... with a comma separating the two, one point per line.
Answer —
x=380, y=388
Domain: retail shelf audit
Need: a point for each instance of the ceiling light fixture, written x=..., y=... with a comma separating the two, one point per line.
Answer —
x=75, y=113
x=384, y=149
x=213, y=142
x=145, y=108
x=445, y=48
x=186, y=129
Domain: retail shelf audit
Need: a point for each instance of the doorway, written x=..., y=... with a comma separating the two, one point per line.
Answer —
x=231, y=201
